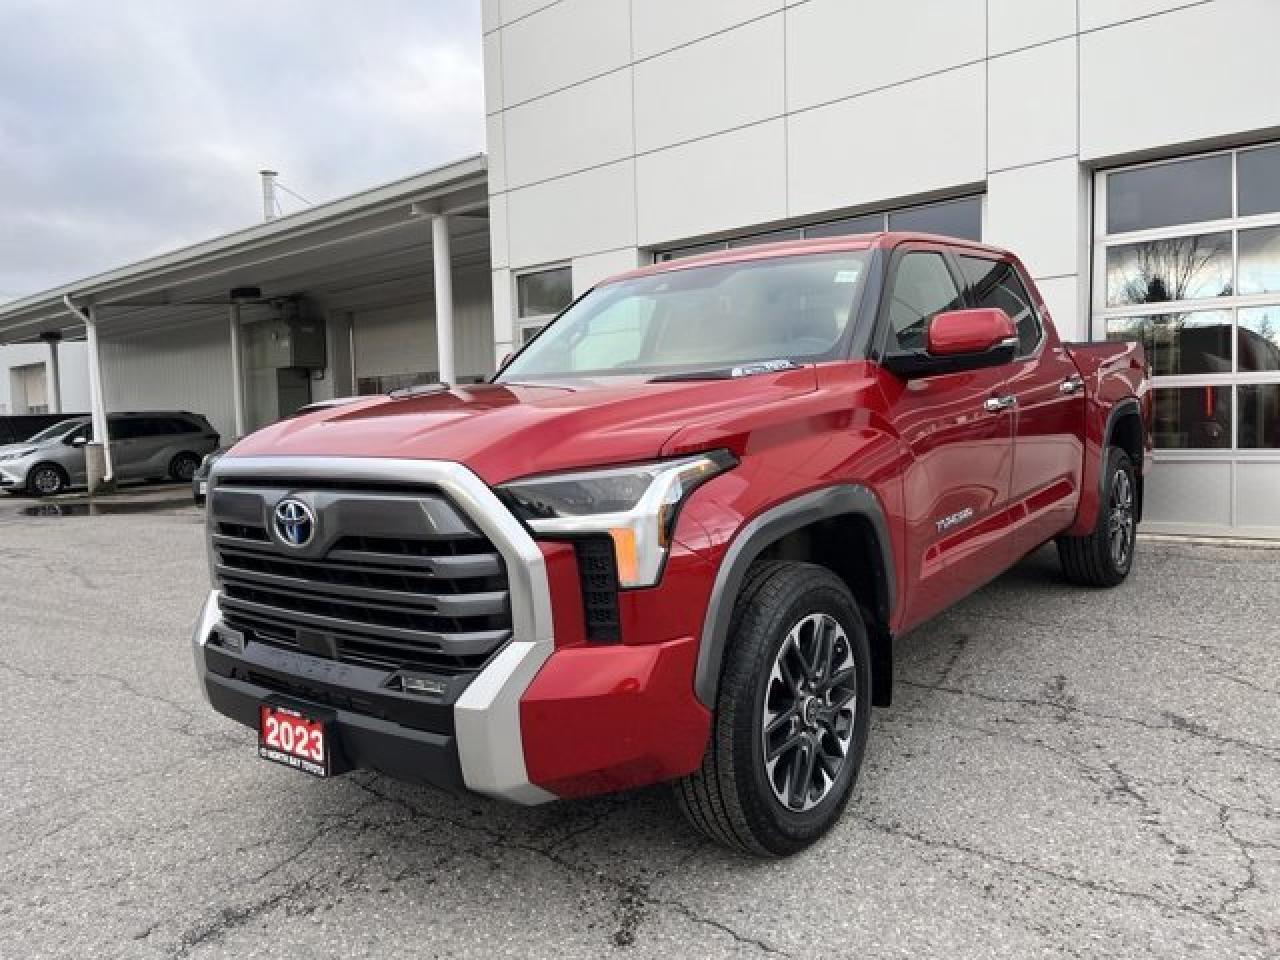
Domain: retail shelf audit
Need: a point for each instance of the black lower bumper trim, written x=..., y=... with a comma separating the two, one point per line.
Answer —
x=416, y=756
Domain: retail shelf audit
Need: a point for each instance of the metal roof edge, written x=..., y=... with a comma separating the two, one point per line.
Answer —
x=405, y=189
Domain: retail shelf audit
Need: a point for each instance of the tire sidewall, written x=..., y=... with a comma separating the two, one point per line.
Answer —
x=1118, y=460
x=36, y=471
x=175, y=472
x=791, y=830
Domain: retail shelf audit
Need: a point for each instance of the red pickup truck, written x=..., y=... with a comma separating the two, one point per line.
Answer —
x=675, y=536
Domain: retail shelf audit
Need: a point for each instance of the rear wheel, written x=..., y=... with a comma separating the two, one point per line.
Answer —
x=183, y=467
x=46, y=480
x=1104, y=557
x=791, y=715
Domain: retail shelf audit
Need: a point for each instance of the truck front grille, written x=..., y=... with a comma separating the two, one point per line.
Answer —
x=393, y=580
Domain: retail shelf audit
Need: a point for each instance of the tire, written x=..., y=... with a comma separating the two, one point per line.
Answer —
x=785, y=615
x=1104, y=557
x=183, y=467
x=47, y=480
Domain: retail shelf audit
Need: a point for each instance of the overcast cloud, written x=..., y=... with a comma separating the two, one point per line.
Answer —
x=134, y=126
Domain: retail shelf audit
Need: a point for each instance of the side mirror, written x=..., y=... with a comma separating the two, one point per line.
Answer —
x=80, y=441
x=959, y=340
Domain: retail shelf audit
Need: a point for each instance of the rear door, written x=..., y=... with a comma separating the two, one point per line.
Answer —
x=1049, y=408
x=960, y=450
x=130, y=447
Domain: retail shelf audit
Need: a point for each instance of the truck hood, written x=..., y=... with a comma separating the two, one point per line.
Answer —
x=502, y=431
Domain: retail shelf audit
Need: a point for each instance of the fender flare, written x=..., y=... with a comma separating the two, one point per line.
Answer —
x=762, y=532
x=1123, y=408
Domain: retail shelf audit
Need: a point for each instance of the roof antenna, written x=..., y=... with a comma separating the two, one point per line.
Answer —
x=268, y=194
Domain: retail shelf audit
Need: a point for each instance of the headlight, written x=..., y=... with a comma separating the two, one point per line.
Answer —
x=16, y=454
x=635, y=506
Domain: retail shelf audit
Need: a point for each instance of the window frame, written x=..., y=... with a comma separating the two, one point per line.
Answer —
x=880, y=339
x=1101, y=314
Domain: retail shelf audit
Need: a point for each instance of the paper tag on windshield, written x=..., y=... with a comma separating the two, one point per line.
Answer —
x=846, y=276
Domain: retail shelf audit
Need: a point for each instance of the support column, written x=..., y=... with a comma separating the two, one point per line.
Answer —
x=53, y=388
x=442, y=276
x=98, y=408
x=237, y=371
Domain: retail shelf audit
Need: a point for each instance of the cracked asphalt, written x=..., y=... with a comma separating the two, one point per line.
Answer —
x=1065, y=773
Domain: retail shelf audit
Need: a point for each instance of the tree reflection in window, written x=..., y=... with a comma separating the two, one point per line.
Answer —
x=1176, y=268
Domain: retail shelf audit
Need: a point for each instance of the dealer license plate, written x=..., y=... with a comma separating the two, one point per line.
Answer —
x=290, y=737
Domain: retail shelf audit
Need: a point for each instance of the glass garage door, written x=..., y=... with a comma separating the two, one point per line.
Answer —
x=1187, y=259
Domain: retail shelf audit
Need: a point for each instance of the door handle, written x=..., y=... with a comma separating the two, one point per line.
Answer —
x=996, y=404
x=1070, y=385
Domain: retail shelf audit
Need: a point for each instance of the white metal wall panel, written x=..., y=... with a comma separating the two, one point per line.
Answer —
x=840, y=155
x=592, y=124
x=184, y=369
x=674, y=102
x=1213, y=66
x=659, y=25
x=838, y=49
x=402, y=338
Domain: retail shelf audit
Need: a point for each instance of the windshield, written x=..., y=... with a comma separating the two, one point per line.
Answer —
x=53, y=432
x=793, y=308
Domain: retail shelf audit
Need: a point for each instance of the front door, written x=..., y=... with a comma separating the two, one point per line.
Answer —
x=958, y=440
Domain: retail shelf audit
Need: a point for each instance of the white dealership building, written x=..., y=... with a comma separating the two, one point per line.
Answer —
x=1124, y=148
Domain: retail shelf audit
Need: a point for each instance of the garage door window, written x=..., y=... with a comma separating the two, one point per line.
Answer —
x=1187, y=260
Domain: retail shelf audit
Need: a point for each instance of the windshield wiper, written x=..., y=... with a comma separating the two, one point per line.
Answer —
x=728, y=373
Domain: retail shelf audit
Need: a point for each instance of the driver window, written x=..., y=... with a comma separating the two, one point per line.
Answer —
x=922, y=287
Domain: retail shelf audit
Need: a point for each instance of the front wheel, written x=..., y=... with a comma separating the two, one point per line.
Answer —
x=791, y=717
x=46, y=480
x=1104, y=557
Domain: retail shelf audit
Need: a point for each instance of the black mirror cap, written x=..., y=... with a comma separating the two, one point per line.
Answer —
x=913, y=364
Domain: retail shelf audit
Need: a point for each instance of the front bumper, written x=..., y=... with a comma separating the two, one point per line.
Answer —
x=13, y=474
x=586, y=720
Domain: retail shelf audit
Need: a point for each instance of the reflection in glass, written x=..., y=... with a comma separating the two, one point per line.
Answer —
x=1179, y=268
x=1198, y=342
x=953, y=218
x=1260, y=260
x=871, y=223
x=1187, y=191
x=1192, y=417
x=1259, y=411
x=544, y=293
x=1258, y=178
x=775, y=236
x=1258, y=338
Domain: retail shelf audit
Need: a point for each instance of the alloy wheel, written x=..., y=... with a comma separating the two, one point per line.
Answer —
x=47, y=481
x=808, y=718
x=1120, y=521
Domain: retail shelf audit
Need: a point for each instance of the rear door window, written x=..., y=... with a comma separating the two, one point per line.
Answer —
x=995, y=283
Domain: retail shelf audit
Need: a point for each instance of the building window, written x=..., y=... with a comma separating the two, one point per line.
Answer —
x=1187, y=260
x=540, y=296
x=950, y=218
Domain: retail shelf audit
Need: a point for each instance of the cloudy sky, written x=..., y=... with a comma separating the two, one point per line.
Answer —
x=134, y=126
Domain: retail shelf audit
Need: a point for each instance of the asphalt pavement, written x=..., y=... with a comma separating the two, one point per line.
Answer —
x=1065, y=773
